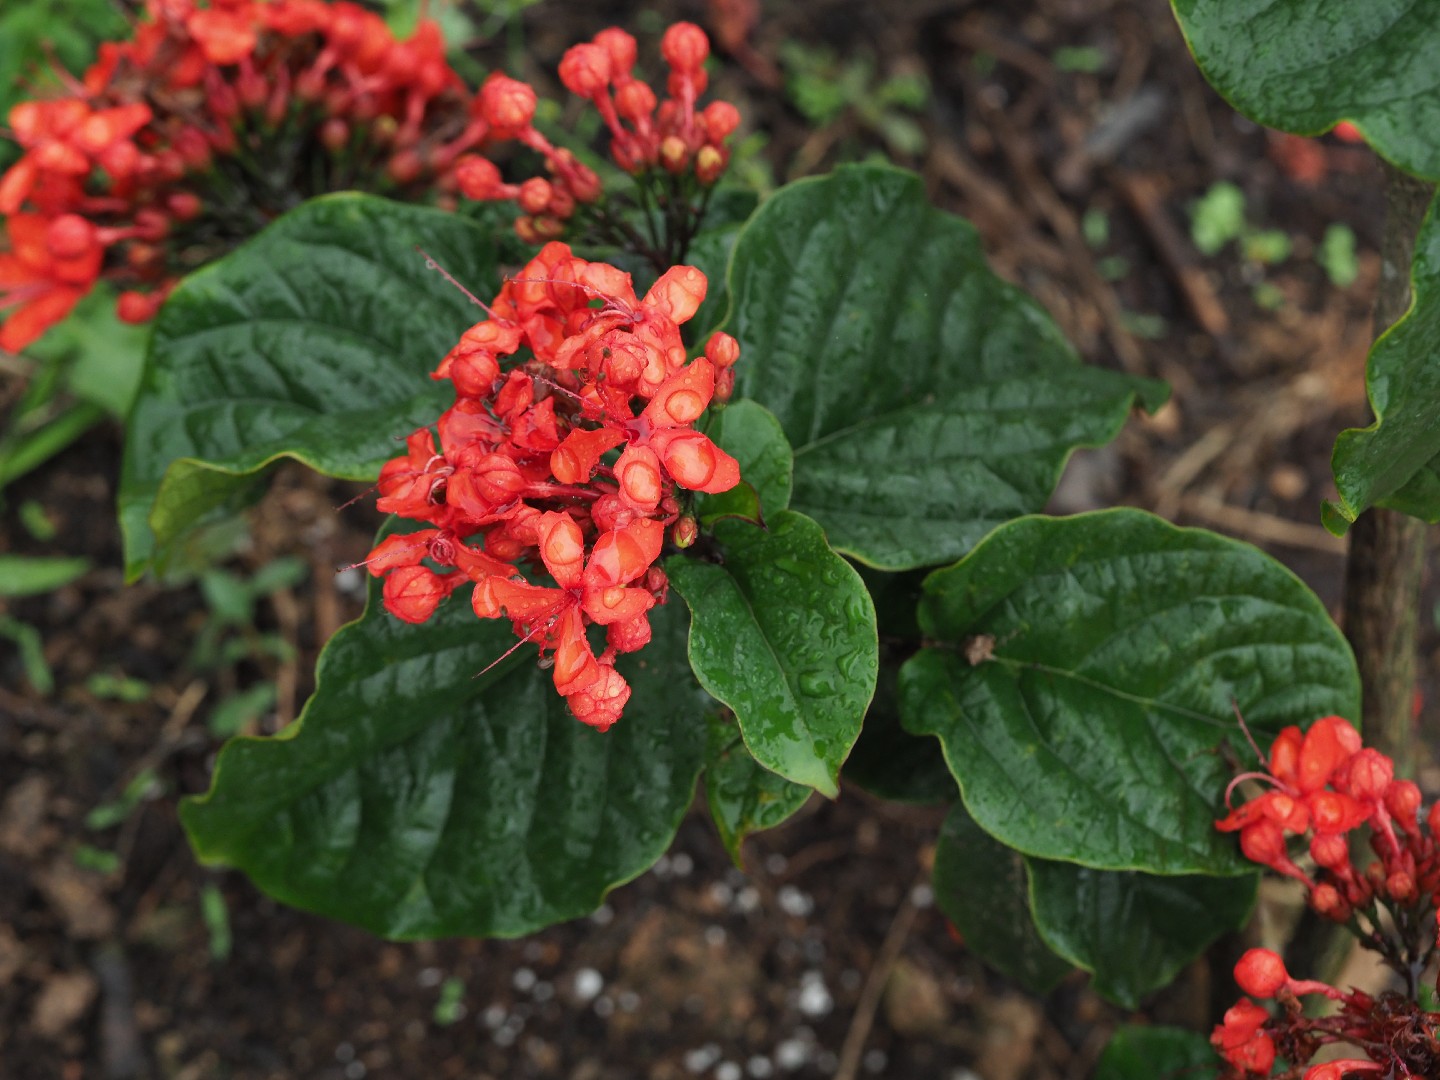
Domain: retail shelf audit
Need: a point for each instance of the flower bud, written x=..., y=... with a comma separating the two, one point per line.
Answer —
x=1330, y=850
x=635, y=101
x=1261, y=973
x=185, y=205
x=673, y=154
x=1326, y=901
x=720, y=119
x=685, y=532
x=134, y=307
x=1369, y=774
x=724, y=385
x=478, y=178
x=506, y=104
x=585, y=70
x=535, y=195
x=70, y=236
x=1402, y=799
x=710, y=163
x=620, y=47
x=685, y=46
x=1400, y=887
x=334, y=134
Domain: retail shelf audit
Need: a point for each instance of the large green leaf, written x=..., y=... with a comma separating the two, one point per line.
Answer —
x=982, y=888
x=419, y=799
x=1394, y=461
x=312, y=341
x=1158, y=1053
x=1304, y=65
x=1119, y=647
x=1134, y=932
x=783, y=632
x=743, y=796
x=927, y=400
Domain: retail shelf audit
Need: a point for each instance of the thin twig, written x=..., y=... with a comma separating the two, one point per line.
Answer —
x=864, y=1018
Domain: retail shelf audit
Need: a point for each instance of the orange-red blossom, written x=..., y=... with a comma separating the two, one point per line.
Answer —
x=524, y=473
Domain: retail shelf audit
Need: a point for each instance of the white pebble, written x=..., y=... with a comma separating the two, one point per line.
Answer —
x=701, y=1058
x=681, y=864
x=604, y=1006
x=523, y=979
x=794, y=902
x=815, y=999
x=922, y=896
x=588, y=983
x=602, y=915
x=493, y=1016
x=430, y=976
x=791, y=1054
x=760, y=1068
x=715, y=935
x=727, y=1070
x=875, y=1061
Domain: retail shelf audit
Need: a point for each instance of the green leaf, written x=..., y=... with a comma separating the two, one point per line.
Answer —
x=743, y=796
x=1120, y=647
x=1135, y=932
x=1304, y=65
x=927, y=400
x=749, y=433
x=783, y=632
x=1393, y=462
x=313, y=341
x=1157, y=1053
x=31, y=575
x=981, y=887
x=420, y=795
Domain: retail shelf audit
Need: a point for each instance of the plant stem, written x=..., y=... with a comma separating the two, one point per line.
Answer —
x=1387, y=549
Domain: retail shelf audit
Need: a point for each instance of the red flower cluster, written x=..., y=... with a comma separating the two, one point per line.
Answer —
x=649, y=139
x=1326, y=785
x=1393, y=1030
x=209, y=122
x=520, y=470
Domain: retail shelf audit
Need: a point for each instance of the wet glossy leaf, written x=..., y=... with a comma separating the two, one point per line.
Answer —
x=783, y=632
x=419, y=800
x=926, y=400
x=314, y=341
x=1158, y=1053
x=1394, y=461
x=743, y=796
x=1109, y=653
x=1135, y=932
x=1304, y=65
x=982, y=888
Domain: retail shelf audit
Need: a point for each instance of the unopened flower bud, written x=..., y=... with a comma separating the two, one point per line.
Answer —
x=1330, y=850
x=70, y=236
x=1400, y=887
x=525, y=229
x=710, y=163
x=620, y=47
x=685, y=532
x=1326, y=901
x=685, y=46
x=673, y=153
x=1369, y=773
x=720, y=119
x=405, y=167
x=506, y=104
x=635, y=101
x=134, y=307
x=334, y=134
x=535, y=195
x=585, y=70
x=478, y=177
x=1402, y=799
x=1261, y=973
x=549, y=228
x=724, y=385
x=184, y=205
